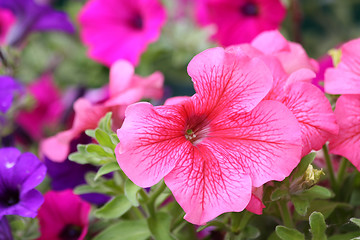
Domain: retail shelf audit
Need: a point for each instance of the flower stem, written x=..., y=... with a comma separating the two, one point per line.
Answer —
x=342, y=171
x=285, y=214
x=330, y=168
x=153, y=197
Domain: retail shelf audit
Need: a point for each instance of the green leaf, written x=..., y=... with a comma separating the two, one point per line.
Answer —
x=301, y=205
x=126, y=230
x=317, y=192
x=131, y=191
x=303, y=165
x=105, y=123
x=356, y=221
x=107, y=168
x=250, y=232
x=286, y=233
x=345, y=236
x=324, y=206
x=100, y=150
x=318, y=226
x=159, y=226
x=215, y=223
x=279, y=193
x=104, y=139
x=115, y=208
x=90, y=133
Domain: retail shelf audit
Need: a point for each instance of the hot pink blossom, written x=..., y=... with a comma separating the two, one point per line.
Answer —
x=63, y=216
x=120, y=29
x=239, y=21
x=124, y=88
x=213, y=147
x=7, y=19
x=347, y=142
x=47, y=110
x=344, y=78
x=325, y=62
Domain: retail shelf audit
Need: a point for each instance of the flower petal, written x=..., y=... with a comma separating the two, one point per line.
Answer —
x=313, y=111
x=228, y=77
x=151, y=142
x=207, y=183
x=265, y=142
x=347, y=141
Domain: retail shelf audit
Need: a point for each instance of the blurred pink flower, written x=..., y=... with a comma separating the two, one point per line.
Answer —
x=63, y=216
x=7, y=19
x=256, y=205
x=239, y=21
x=347, y=142
x=120, y=29
x=344, y=78
x=213, y=147
x=48, y=108
x=125, y=88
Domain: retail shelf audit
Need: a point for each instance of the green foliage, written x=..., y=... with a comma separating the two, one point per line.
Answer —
x=286, y=233
x=126, y=230
x=159, y=225
x=115, y=208
x=318, y=226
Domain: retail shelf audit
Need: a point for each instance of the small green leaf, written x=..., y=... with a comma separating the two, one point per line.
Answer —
x=215, y=223
x=159, y=226
x=317, y=192
x=115, y=208
x=301, y=205
x=279, y=193
x=131, y=191
x=318, y=226
x=126, y=230
x=250, y=232
x=303, y=165
x=105, y=123
x=100, y=150
x=286, y=233
x=90, y=133
x=356, y=221
x=107, y=168
x=104, y=139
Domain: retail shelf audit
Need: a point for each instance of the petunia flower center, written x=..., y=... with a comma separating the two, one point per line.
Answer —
x=10, y=198
x=137, y=22
x=249, y=9
x=197, y=128
x=70, y=232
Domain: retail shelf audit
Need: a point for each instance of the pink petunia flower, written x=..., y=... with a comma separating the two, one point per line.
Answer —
x=63, y=216
x=291, y=55
x=293, y=71
x=213, y=147
x=7, y=19
x=344, y=78
x=120, y=29
x=125, y=88
x=325, y=62
x=347, y=141
x=239, y=21
x=47, y=110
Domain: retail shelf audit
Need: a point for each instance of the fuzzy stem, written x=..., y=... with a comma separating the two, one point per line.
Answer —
x=285, y=214
x=342, y=171
x=330, y=168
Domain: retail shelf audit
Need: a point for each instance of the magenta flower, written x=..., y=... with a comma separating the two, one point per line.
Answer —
x=347, y=141
x=19, y=175
x=120, y=29
x=212, y=148
x=125, y=88
x=47, y=110
x=344, y=78
x=7, y=19
x=63, y=216
x=325, y=62
x=32, y=16
x=239, y=21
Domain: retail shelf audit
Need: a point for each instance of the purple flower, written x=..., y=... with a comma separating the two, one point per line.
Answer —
x=33, y=16
x=8, y=88
x=19, y=175
x=5, y=231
